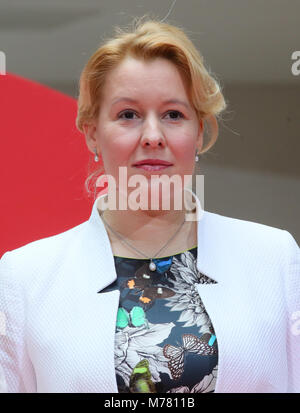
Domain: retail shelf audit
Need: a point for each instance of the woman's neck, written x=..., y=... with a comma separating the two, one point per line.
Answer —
x=144, y=225
x=148, y=233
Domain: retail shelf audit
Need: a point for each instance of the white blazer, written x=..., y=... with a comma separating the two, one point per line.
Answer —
x=58, y=334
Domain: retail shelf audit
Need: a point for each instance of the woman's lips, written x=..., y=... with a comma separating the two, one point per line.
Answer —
x=148, y=167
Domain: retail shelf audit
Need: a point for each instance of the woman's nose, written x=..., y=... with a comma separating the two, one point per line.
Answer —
x=152, y=134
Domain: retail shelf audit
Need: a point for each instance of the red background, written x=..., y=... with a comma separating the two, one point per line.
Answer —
x=43, y=164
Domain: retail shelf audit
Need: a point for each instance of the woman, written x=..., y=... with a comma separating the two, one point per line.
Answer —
x=151, y=300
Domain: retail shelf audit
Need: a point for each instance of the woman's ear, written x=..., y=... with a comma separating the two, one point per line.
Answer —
x=90, y=134
x=199, y=142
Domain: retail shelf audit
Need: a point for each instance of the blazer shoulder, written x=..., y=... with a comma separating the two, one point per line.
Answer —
x=249, y=241
x=236, y=230
x=41, y=253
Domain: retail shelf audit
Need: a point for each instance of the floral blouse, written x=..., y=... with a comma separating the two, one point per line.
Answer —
x=165, y=341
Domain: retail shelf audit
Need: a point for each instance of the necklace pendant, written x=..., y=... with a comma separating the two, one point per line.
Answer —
x=152, y=266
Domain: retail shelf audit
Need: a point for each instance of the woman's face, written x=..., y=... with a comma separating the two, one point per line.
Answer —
x=146, y=113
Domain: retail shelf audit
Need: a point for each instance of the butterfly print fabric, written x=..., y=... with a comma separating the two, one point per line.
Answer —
x=165, y=341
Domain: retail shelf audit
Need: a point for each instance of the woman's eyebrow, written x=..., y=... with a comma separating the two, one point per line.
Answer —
x=128, y=99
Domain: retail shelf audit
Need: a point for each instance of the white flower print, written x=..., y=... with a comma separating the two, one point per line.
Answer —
x=135, y=344
x=207, y=384
x=187, y=299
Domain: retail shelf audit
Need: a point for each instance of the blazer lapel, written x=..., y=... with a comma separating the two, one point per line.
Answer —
x=227, y=301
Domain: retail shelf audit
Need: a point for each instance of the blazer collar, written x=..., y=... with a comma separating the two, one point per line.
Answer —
x=95, y=259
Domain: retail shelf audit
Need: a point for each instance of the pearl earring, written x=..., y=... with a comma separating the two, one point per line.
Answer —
x=96, y=156
x=196, y=157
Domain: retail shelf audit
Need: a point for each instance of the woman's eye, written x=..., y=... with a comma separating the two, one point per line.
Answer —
x=175, y=112
x=128, y=114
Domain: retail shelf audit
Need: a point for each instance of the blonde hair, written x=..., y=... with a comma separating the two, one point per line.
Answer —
x=148, y=40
